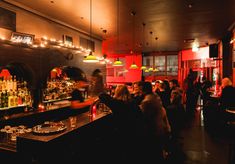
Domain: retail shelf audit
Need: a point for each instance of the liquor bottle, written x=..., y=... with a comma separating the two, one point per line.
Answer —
x=27, y=98
x=10, y=84
x=14, y=84
x=11, y=101
x=23, y=97
x=19, y=98
x=4, y=84
x=5, y=98
x=15, y=97
x=0, y=84
x=2, y=99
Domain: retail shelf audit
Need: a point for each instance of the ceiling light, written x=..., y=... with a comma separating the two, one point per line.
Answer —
x=150, y=69
x=146, y=70
x=195, y=49
x=143, y=67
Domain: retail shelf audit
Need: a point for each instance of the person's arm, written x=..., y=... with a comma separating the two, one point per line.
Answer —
x=77, y=104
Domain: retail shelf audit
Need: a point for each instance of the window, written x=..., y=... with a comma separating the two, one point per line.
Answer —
x=172, y=65
x=148, y=61
x=165, y=65
x=68, y=39
x=160, y=62
x=88, y=44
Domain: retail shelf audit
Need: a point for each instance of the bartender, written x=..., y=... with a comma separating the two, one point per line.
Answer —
x=78, y=100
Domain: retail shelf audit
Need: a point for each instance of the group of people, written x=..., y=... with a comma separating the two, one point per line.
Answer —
x=148, y=116
x=144, y=119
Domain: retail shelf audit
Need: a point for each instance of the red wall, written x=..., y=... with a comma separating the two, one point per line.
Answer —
x=133, y=74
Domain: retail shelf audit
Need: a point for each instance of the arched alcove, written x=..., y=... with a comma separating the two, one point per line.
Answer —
x=72, y=73
x=21, y=71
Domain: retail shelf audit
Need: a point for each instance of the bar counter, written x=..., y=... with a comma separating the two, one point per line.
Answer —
x=82, y=120
x=60, y=146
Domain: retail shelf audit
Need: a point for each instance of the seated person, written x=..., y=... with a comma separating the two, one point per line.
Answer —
x=227, y=95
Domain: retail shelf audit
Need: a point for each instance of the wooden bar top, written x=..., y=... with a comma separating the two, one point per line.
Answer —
x=82, y=120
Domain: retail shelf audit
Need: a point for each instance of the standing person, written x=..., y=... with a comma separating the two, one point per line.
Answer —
x=192, y=92
x=156, y=121
x=97, y=84
x=78, y=100
x=205, y=86
x=164, y=94
x=137, y=94
x=173, y=84
x=156, y=87
x=176, y=112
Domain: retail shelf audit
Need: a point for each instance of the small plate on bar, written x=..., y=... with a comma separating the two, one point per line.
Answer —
x=49, y=128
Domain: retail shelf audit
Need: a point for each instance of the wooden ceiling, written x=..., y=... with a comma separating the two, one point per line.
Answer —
x=170, y=21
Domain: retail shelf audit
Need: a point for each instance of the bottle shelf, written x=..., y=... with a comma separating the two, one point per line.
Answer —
x=7, y=108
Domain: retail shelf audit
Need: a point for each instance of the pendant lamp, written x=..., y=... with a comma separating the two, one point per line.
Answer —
x=117, y=62
x=143, y=67
x=90, y=58
x=133, y=65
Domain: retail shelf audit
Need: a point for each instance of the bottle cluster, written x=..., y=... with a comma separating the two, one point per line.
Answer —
x=58, y=89
x=14, y=93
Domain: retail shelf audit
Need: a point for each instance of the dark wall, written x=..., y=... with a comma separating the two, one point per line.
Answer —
x=40, y=61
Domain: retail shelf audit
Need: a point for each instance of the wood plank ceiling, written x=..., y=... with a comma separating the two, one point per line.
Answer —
x=170, y=21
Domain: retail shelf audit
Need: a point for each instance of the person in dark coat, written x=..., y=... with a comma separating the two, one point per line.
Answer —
x=205, y=86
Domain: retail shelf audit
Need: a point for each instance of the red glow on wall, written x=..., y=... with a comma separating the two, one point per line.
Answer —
x=133, y=74
x=203, y=53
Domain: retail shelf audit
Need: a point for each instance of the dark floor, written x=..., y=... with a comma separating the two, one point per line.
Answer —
x=198, y=145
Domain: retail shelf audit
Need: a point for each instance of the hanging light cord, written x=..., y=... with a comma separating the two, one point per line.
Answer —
x=143, y=44
x=118, y=39
x=133, y=34
x=90, y=21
